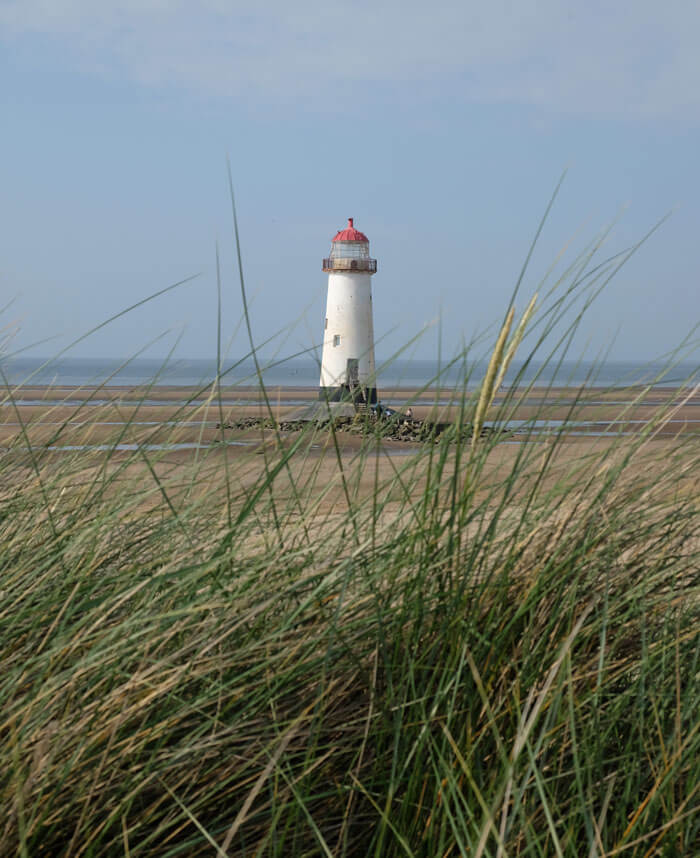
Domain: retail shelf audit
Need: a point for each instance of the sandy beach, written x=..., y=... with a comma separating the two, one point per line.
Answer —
x=190, y=415
x=104, y=428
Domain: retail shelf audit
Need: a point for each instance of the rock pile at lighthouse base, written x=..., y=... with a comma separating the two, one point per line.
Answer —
x=392, y=429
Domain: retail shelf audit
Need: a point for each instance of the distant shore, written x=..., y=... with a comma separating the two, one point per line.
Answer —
x=306, y=392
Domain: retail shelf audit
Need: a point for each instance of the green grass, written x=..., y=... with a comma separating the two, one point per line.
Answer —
x=457, y=662
x=460, y=661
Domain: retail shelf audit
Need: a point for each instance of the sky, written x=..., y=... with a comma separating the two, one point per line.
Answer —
x=442, y=128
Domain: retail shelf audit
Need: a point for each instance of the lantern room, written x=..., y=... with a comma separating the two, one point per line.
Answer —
x=350, y=252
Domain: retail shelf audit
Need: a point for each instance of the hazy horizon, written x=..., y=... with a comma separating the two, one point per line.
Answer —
x=304, y=372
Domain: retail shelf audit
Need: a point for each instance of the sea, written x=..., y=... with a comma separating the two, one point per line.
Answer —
x=304, y=372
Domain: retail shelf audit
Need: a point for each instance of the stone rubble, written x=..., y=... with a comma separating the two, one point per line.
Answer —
x=395, y=428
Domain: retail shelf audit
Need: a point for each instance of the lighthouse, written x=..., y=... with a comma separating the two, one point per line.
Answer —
x=347, y=364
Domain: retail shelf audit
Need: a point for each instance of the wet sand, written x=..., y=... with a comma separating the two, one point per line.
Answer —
x=186, y=448
x=184, y=415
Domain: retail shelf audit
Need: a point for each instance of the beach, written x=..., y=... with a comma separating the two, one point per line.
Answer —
x=190, y=415
x=167, y=428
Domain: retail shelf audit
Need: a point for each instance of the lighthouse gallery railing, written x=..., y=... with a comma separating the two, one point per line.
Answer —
x=340, y=264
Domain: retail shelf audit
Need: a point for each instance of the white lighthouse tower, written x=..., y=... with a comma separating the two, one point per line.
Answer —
x=347, y=365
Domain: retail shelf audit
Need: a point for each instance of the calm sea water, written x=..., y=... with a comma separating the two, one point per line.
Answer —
x=299, y=372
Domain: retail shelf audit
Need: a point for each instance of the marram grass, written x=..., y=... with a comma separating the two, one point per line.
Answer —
x=463, y=661
x=294, y=654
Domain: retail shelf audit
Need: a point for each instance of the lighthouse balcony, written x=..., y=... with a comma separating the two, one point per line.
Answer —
x=333, y=263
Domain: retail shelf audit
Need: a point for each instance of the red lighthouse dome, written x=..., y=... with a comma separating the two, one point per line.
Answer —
x=350, y=233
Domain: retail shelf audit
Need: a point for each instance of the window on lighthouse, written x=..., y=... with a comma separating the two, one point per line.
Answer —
x=336, y=340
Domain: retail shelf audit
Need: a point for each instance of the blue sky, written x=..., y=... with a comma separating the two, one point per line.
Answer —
x=441, y=128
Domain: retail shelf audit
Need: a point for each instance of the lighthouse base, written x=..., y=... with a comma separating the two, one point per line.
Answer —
x=345, y=393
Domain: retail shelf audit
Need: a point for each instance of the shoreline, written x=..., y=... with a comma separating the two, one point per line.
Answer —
x=51, y=392
x=165, y=429
x=186, y=414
